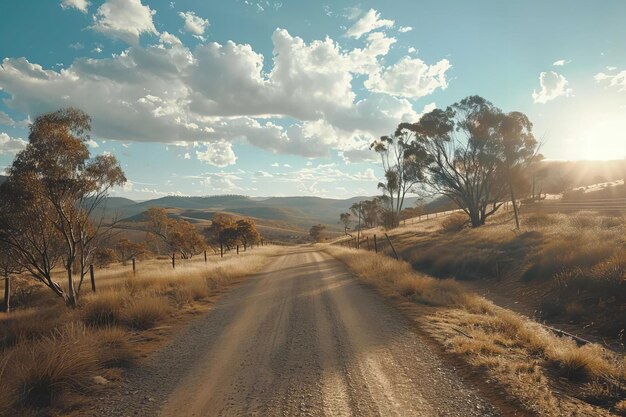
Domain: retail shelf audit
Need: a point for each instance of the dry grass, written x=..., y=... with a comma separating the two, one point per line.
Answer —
x=114, y=349
x=570, y=267
x=526, y=359
x=37, y=374
x=51, y=353
x=143, y=313
x=454, y=222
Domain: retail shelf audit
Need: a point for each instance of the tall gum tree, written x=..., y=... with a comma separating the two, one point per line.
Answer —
x=68, y=186
x=475, y=152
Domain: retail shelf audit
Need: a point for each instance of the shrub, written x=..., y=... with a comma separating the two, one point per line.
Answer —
x=143, y=313
x=540, y=220
x=584, y=220
x=28, y=324
x=609, y=222
x=567, y=252
x=103, y=309
x=454, y=223
x=113, y=348
x=42, y=371
x=579, y=363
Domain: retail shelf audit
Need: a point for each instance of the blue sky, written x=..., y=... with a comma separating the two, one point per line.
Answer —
x=282, y=97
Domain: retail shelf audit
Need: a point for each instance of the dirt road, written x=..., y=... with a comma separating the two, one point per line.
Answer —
x=301, y=338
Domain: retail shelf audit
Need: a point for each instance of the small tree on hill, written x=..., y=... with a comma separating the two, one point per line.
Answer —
x=179, y=236
x=222, y=231
x=127, y=250
x=247, y=232
x=104, y=257
x=404, y=160
x=316, y=232
x=346, y=220
x=227, y=231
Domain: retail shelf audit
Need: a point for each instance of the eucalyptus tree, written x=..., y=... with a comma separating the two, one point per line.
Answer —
x=57, y=181
x=404, y=158
x=474, y=151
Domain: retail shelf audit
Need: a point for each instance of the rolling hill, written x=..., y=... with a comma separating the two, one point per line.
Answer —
x=298, y=212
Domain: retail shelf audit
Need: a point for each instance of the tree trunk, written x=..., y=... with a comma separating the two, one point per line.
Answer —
x=475, y=218
x=6, y=307
x=71, y=292
x=513, y=200
x=515, y=211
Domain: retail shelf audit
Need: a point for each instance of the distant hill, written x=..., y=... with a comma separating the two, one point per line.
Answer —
x=292, y=217
x=299, y=212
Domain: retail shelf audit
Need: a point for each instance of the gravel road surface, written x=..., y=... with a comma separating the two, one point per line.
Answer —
x=302, y=338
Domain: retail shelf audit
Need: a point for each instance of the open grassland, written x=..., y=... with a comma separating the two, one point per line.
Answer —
x=52, y=356
x=542, y=373
x=566, y=269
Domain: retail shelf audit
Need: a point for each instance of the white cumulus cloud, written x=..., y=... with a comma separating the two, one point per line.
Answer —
x=169, y=39
x=219, y=154
x=552, y=85
x=124, y=19
x=82, y=5
x=220, y=94
x=194, y=24
x=410, y=77
x=368, y=22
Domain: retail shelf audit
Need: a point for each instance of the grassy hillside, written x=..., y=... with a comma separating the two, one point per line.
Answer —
x=563, y=268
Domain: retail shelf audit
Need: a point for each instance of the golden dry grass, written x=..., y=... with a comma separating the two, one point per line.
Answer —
x=567, y=267
x=50, y=351
x=522, y=356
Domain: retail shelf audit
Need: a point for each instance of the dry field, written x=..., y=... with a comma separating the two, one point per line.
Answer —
x=541, y=373
x=566, y=269
x=53, y=357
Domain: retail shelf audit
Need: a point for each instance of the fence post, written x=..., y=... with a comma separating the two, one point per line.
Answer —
x=174, y=260
x=392, y=248
x=237, y=249
x=375, y=245
x=93, y=279
x=244, y=247
x=204, y=256
x=134, y=270
x=221, y=250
